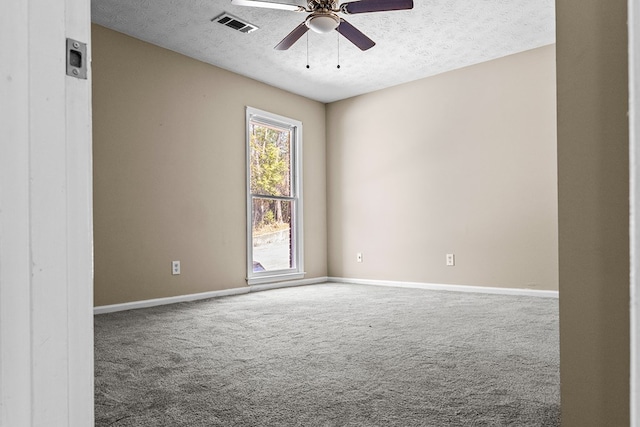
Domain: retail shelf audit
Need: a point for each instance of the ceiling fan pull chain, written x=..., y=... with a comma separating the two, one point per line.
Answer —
x=308, y=51
x=338, y=50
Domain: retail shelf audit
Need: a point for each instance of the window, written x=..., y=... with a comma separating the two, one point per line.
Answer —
x=274, y=198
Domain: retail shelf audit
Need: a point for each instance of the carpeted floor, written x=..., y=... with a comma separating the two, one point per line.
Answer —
x=331, y=355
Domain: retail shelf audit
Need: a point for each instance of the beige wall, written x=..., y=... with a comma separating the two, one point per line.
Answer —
x=169, y=171
x=463, y=162
x=593, y=211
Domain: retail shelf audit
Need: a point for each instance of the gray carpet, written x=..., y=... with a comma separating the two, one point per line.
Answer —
x=331, y=355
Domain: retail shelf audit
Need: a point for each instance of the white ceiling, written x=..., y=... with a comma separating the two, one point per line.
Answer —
x=434, y=37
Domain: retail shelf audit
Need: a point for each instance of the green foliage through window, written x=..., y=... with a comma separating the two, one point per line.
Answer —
x=270, y=155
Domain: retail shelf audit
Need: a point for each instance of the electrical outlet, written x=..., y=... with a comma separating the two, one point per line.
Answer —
x=451, y=260
x=359, y=256
x=175, y=267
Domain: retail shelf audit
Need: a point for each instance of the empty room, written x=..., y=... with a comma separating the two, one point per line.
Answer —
x=335, y=213
x=423, y=164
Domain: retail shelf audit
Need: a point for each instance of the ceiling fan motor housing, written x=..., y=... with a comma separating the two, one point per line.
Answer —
x=323, y=5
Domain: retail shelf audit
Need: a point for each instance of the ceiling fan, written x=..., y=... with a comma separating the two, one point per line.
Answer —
x=323, y=17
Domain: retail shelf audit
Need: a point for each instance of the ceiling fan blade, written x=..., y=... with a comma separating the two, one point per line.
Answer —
x=267, y=5
x=293, y=37
x=364, y=6
x=354, y=35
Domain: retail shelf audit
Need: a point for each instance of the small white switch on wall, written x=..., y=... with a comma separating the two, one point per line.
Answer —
x=359, y=257
x=451, y=260
x=175, y=267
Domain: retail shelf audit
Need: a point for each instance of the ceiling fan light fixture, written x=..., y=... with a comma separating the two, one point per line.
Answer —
x=322, y=22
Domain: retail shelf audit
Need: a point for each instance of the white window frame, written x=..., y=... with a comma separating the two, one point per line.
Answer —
x=262, y=277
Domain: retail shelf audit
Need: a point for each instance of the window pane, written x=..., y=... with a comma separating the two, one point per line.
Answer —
x=274, y=222
x=272, y=231
x=270, y=159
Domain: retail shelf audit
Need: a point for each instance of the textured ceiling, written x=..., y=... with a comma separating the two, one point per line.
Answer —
x=434, y=37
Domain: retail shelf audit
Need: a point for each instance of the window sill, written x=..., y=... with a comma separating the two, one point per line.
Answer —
x=273, y=278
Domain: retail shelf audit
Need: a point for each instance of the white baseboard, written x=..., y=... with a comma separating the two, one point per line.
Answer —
x=452, y=288
x=169, y=300
x=204, y=295
x=302, y=282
